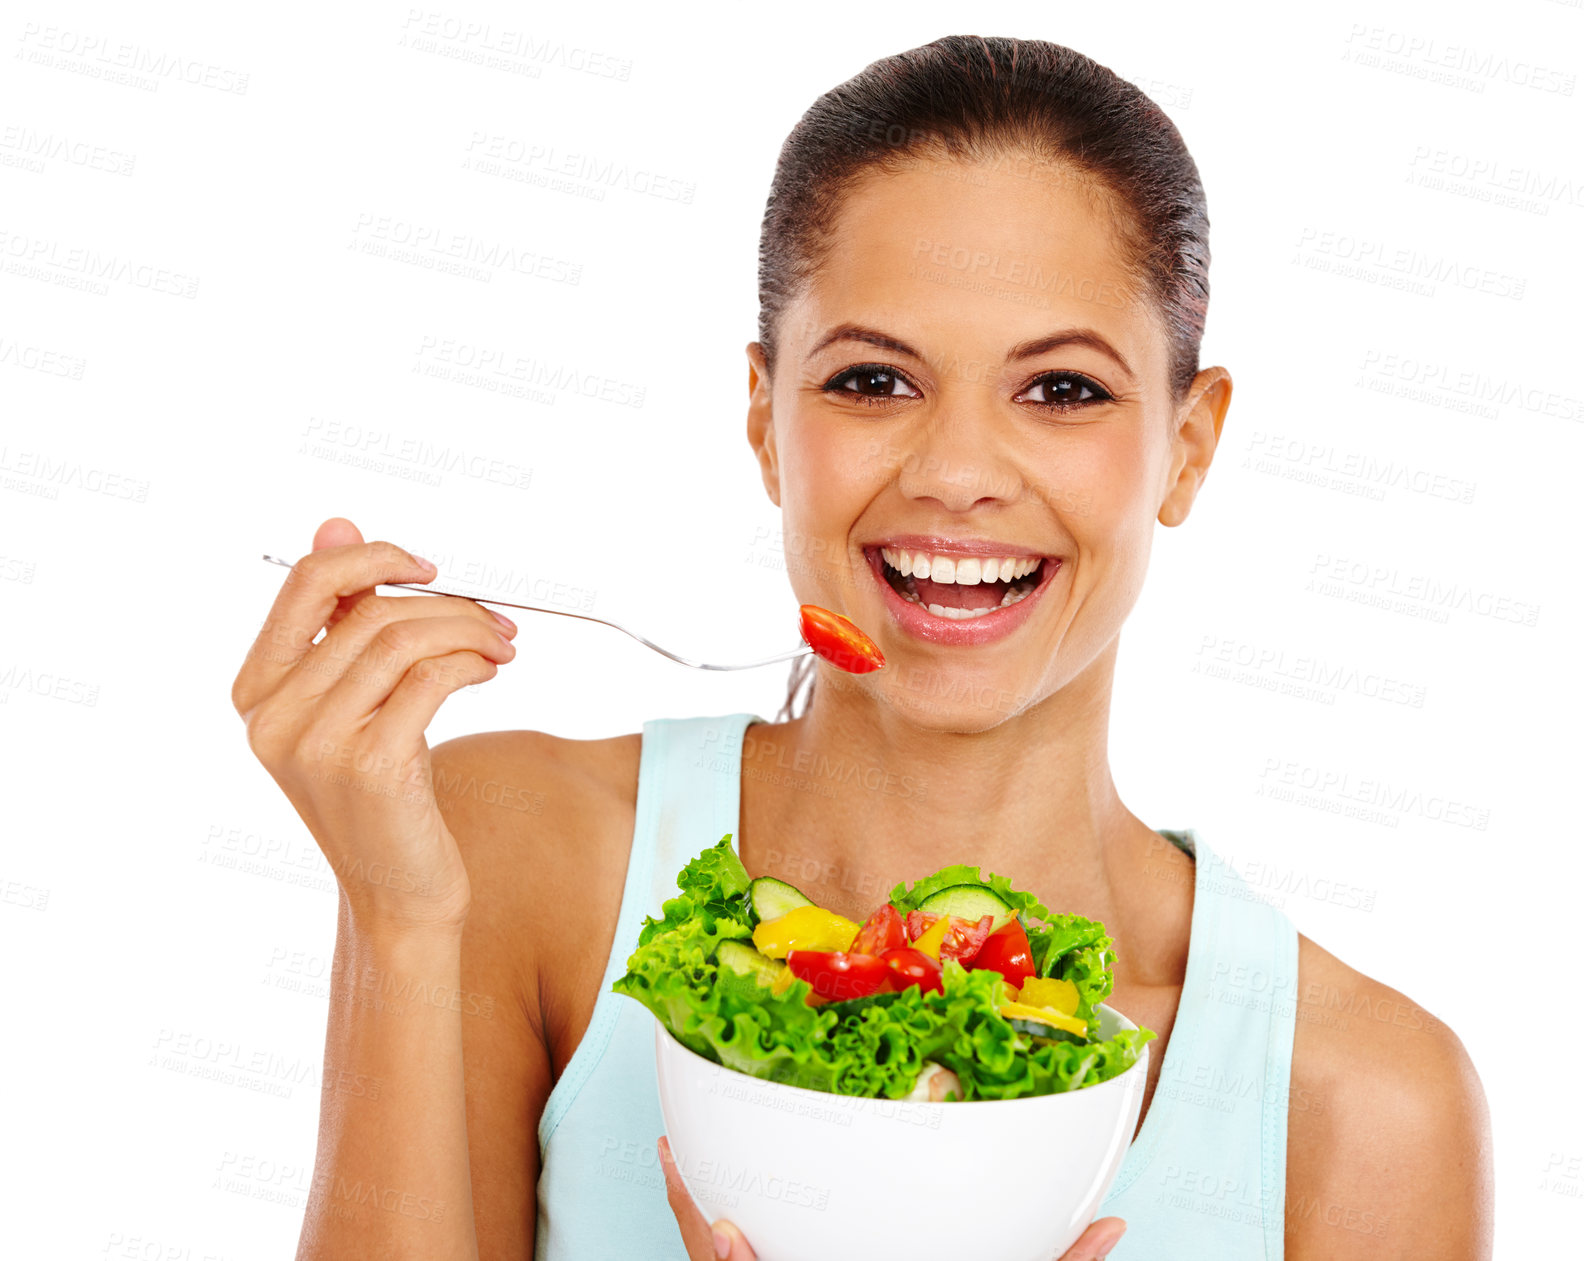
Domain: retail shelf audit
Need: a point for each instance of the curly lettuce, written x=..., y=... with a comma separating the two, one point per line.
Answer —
x=875, y=1046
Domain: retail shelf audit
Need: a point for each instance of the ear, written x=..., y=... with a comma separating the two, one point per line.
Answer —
x=1196, y=431
x=761, y=422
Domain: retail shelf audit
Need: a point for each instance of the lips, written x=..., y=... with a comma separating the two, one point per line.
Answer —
x=971, y=609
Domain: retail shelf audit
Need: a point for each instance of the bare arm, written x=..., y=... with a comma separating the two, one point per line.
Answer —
x=338, y=722
x=1388, y=1147
x=391, y=1176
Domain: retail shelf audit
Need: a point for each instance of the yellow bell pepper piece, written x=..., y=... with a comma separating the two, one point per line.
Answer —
x=929, y=941
x=1050, y=991
x=1045, y=1015
x=804, y=928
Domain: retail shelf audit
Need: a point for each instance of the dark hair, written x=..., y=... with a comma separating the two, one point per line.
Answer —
x=976, y=99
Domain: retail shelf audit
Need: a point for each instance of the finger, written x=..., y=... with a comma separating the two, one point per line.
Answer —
x=737, y=1248
x=414, y=701
x=697, y=1237
x=425, y=645
x=1097, y=1240
x=328, y=661
x=722, y=1239
x=309, y=595
x=339, y=532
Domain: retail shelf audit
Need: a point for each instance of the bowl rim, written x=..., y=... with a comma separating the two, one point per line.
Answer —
x=661, y=1032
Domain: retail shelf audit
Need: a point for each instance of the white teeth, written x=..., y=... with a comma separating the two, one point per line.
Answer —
x=957, y=615
x=966, y=571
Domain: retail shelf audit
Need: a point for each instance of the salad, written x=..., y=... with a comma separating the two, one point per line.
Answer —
x=959, y=986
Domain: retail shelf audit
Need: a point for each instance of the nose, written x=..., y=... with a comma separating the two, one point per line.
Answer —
x=954, y=458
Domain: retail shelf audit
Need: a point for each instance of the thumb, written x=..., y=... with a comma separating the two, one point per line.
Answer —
x=336, y=532
x=737, y=1247
x=339, y=532
x=1096, y=1242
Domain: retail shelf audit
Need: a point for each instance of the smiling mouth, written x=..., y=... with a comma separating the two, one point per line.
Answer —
x=960, y=588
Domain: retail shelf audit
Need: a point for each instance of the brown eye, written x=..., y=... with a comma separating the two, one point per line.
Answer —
x=1064, y=390
x=871, y=382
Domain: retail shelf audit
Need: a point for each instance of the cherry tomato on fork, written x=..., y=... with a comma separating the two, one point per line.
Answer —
x=838, y=640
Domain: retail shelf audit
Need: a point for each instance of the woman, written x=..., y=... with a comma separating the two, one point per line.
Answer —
x=983, y=283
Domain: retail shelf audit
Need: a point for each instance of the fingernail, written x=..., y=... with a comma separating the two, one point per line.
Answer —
x=424, y=563
x=503, y=620
x=1106, y=1250
x=722, y=1243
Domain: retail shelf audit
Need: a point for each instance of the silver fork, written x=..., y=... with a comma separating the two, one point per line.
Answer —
x=801, y=651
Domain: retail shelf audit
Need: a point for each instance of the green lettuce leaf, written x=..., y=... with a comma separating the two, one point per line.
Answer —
x=871, y=1047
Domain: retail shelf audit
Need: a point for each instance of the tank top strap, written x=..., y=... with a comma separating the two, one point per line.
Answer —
x=1206, y=1176
x=690, y=782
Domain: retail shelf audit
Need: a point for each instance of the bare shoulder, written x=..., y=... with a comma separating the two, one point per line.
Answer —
x=544, y=825
x=528, y=795
x=1388, y=1139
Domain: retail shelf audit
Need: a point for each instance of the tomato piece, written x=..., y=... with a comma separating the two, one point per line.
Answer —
x=839, y=974
x=913, y=967
x=1007, y=951
x=962, y=940
x=838, y=640
x=882, y=931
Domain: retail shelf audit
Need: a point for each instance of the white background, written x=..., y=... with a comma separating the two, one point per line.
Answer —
x=155, y=917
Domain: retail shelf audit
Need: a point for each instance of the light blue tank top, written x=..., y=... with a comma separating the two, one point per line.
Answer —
x=1205, y=1178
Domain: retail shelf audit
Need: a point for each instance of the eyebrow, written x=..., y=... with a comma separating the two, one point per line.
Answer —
x=1023, y=350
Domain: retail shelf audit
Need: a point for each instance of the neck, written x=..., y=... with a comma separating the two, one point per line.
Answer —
x=853, y=797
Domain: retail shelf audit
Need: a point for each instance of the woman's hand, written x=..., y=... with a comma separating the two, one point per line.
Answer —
x=707, y=1242
x=339, y=724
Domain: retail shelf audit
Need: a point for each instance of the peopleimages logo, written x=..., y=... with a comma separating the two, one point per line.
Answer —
x=1415, y=594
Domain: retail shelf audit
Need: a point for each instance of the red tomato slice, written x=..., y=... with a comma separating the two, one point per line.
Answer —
x=1007, y=951
x=963, y=937
x=838, y=640
x=913, y=967
x=882, y=931
x=838, y=974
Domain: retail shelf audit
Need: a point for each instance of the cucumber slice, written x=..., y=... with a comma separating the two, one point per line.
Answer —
x=970, y=901
x=773, y=898
x=1039, y=1029
x=846, y=1005
x=742, y=959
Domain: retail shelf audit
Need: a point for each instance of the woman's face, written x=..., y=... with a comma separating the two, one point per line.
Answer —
x=972, y=387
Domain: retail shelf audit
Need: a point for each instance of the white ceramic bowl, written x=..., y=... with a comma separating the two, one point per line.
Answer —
x=810, y=1176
